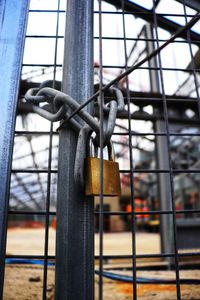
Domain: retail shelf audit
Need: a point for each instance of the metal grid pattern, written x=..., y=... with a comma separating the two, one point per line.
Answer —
x=163, y=133
x=34, y=169
x=151, y=138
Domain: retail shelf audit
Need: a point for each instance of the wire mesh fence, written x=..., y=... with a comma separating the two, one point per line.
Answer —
x=146, y=242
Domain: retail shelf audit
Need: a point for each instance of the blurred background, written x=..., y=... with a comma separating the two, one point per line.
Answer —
x=159, y=208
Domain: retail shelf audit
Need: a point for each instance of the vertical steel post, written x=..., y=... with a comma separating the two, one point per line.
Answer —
x=13, y=16
x=75, y=234
x=166, y=230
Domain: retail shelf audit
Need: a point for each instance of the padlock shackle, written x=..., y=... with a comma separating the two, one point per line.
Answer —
x=111, y=154
x=81, y=153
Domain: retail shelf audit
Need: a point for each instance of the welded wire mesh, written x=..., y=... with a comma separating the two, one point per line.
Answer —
x=156, y=141
x=164, y=204
x=33, y=189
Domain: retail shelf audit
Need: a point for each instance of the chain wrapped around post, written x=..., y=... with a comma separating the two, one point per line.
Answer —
x=58, y=105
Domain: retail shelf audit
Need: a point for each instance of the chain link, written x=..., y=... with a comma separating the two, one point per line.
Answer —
x=59, y=105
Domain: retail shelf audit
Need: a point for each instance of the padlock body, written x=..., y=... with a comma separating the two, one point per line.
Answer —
x=111, y=178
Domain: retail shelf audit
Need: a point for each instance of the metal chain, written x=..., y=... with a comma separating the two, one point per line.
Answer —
x=59, y=105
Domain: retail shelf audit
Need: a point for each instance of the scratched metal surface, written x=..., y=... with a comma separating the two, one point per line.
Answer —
x=12, y=33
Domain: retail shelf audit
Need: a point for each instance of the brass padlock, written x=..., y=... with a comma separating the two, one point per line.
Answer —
x=111, y=177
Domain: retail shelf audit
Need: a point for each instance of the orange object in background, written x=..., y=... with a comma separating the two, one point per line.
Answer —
x=25, y=224
x=145, y=290
x=140, y=206
x=53, y=223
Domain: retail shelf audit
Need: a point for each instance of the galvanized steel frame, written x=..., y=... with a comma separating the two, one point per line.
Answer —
x=13, y=17
x=75, y=233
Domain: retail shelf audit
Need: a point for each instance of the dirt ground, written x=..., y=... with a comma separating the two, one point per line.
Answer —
x=25, y=282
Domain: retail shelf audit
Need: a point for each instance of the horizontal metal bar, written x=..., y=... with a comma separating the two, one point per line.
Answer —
x=121, y=171
x=114, y=13
x=109, y=213
x=118, y=67
x=188, y=171
x=145, y=40
x=126, y=256
x=156, y=212
x=33, y=171
x=154, y=134
x=46, y=11
x=120, y=213
x=41, y=65
x=162, y=255
x=110, y=38
x=23, y=132
x=147, y=98
x=44, y=36
x=30, y=256
x=144, y=13
x=151, y=68
x=23, y=212
x=158, y=100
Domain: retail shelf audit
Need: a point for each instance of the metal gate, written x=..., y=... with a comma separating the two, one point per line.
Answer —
x=131, y=73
